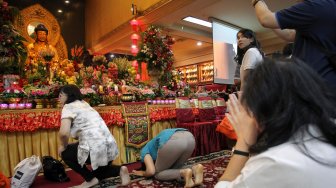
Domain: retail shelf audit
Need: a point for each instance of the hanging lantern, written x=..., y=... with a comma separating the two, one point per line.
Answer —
x=135, y=37
x=137, y=76
x=134, y=50
x=134, y=23
x=135, y=63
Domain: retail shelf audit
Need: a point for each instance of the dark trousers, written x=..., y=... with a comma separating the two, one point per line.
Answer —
x=69, y=156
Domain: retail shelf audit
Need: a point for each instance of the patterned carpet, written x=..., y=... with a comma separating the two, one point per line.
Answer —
x=214, y=166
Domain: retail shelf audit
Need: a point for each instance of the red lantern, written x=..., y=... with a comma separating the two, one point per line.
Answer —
x=134, y=23
x=135, y=63
x=137, y=76
x=134, y=50
x=135, y=37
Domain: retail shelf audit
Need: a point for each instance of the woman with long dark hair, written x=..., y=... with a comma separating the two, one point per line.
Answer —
x=248, y=54
x=286, y=128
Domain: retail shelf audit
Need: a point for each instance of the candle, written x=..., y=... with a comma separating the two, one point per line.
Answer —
x=3, y=106
x=101, y=89
x=12, y=106
x=28, y=105
x=115, y=88
x=21, y=106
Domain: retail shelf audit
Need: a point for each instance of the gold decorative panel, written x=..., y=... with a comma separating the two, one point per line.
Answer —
x=34, y=15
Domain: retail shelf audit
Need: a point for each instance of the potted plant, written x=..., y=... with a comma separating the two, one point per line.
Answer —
x=39, y=96
x=13, y=53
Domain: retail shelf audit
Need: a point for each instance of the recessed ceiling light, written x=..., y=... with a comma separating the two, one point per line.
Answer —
x=112, y=55
x=197, y=21
x=59, y=11
x=67, y=2
x=199, y=43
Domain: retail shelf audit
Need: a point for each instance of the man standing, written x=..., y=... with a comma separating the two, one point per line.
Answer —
x=310, y=24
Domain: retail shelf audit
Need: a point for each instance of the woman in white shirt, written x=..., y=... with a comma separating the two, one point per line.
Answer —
x=286, y=129
x=248, y=53
x=95, y=145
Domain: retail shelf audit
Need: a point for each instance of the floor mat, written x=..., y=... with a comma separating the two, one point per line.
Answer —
x=214, y=166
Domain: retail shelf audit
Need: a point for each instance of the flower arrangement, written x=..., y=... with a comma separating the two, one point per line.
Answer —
x=172, y=83
x=47, y=54
x=90, y=96
x=147, y=93
x=87, y=91
x=155, y=50
x=77, y=57
x=8, y=80
x=77, y=53
x=54, y=90
x=100, y=75
x=12, y=50
x=112, y=70
x=124, y=67
x=87, y=75
x=98, y=60
x=39, y=93
x=14, y=91
x=65, y=72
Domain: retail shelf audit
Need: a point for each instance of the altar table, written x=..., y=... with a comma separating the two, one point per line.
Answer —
x=28, y=132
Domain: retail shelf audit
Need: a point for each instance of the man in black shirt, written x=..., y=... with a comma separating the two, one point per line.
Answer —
x=310, y=24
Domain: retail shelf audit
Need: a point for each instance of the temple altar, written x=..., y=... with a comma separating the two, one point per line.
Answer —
x=24, y=133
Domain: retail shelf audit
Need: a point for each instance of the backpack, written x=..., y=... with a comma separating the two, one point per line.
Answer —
x=25, y=172
x=54, y=170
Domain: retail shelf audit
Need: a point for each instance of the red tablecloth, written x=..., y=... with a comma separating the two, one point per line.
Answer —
x=29, y=120
x=207, y=139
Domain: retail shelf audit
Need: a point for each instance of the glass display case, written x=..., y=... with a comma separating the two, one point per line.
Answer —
x=191, y=74
x=206, y=72
x=201, y=73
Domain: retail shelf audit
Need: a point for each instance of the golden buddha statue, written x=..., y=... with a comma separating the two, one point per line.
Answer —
x=41, y=54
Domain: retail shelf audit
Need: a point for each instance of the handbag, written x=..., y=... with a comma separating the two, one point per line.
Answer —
x=25, y=172
x=54, y=170
x=226, y=128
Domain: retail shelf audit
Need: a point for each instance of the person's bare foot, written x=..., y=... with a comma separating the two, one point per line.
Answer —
x=198, y=174
x=187, y=175
x=124, y=176
x=88, y=184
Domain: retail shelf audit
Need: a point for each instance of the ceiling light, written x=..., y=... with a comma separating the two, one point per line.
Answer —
x=112, y=55
x=199, y=43
x=67, y=2
x=59, y=11
x=197, y=21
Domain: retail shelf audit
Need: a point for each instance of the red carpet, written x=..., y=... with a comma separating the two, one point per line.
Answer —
x=75, y=179
x=214, y=166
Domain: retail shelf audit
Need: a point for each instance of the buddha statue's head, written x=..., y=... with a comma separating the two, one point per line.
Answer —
x=41, y=33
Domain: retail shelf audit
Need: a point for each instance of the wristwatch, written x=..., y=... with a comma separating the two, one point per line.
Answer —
x=238, y=152
x=255, y=2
